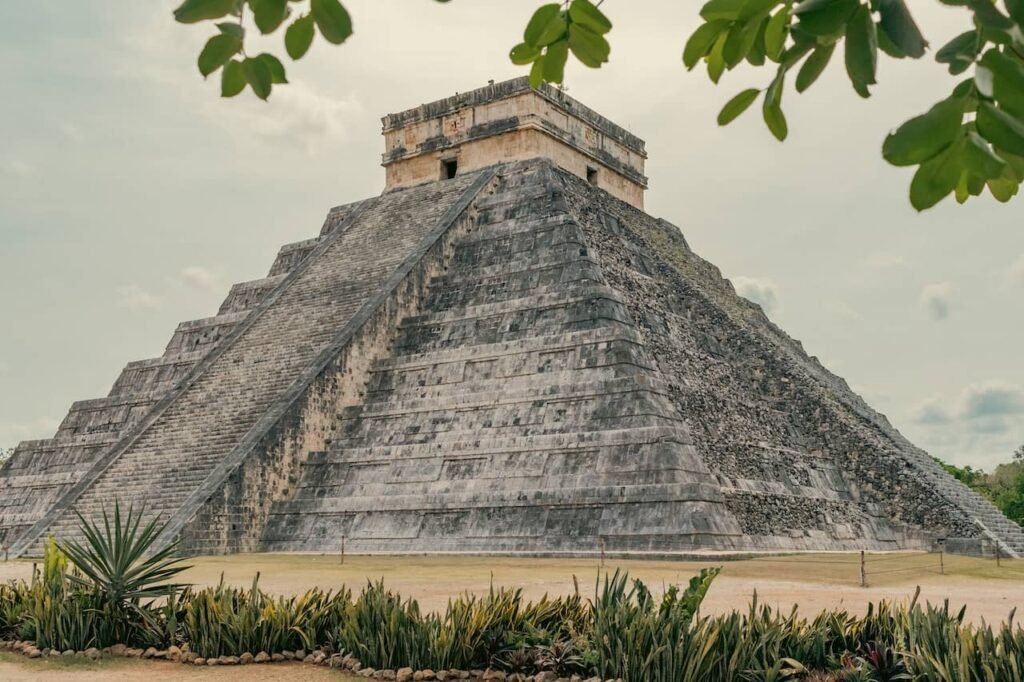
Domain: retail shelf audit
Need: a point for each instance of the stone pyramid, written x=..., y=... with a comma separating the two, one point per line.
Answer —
x=500, y=353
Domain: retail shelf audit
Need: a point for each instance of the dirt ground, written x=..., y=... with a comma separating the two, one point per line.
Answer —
x=14, y=668
x=813, y=582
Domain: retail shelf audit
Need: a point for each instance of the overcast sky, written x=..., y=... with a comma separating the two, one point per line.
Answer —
x=132, y=196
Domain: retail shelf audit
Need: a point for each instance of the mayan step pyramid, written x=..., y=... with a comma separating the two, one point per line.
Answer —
x=500, y=353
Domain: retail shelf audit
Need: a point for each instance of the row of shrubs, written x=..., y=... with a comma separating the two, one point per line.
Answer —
x=89, y=596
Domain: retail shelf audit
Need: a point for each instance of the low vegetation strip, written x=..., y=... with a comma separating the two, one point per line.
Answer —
x=110, y=597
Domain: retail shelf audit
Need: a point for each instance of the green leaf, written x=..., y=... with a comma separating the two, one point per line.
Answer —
x=1016, y=10
x=701, y=42
x=1003, y=188
x=737, y=105
x=590, y=48
x=1000, y=128
x=537, y=74
x=756, y=54
x=585, y=13
x=989, y=16
x=772, y=108
x=980, y=159
x=523, y=54
x=936, y=178
x=1008, y=77
x=232, y=80
x=554, y=31
x=824, y=17
x=299, y=36
x=886, y=45
x=924, y=136
x=539, y=21
x=715, y=59
x=814, y=66
x=861, y=50
x=332, y=19
x=775, y=34
x=1016, y=164
x=219, y=49
x=755, y=9
x=277, y=74
x=722, y=9
x=269, y=14
x=960, y=52
x=231, y=28
x=739, y=43
x=258, y=76
x=899, y=26
x=191, y=11
x=554, y=61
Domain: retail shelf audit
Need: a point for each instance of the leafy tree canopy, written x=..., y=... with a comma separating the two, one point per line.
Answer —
x=970, y=140
x=1004, y=486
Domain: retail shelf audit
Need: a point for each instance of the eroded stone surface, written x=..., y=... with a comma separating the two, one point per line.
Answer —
x=512, y=360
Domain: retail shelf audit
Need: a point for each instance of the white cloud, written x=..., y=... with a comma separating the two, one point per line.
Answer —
x=932, y=411
x=70, y=130
x=1015, y=273
x=760, y=291
x=16, y=167
x=884, y=260
x=201, y=278
x=134, y=297
x=299, y=115
x=936, y=299
x=844, y=311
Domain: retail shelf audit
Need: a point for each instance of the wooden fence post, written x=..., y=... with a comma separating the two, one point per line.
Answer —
x=863, y=571
x=342, y=550
x=942, y=562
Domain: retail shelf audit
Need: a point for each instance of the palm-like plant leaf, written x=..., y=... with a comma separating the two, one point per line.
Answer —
x=115, y=558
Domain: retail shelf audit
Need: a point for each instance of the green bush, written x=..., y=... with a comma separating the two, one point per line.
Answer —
x=93, y=596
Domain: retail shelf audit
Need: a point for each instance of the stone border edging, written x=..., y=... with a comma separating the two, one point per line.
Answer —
x=319, y=657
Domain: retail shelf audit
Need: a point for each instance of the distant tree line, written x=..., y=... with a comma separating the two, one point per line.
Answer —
x=1004, y=486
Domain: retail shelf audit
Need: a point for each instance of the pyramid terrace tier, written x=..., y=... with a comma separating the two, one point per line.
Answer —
x=508, y=361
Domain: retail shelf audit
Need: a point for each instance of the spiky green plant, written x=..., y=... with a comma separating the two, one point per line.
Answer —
x=117, y=558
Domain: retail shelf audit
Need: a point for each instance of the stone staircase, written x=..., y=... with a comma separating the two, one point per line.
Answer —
x=42, y=471
x=167, y=457
x=517, y=412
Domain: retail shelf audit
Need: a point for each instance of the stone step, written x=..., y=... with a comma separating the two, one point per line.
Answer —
x=247, y=295
x=627, y=464
x=474, y=445
x=533, y=281
x=535, y=369
x=542, y=343
x=598, y=409
x=201, y=335
x=502, y=392
x=291, y=254
x=155, y=375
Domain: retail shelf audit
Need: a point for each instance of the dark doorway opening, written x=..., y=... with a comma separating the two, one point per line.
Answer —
x=449, y=168
x=591, y=175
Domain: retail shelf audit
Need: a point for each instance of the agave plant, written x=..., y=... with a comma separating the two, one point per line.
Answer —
x=116, y=558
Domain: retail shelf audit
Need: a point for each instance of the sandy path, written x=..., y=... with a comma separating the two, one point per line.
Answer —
x=16, y=669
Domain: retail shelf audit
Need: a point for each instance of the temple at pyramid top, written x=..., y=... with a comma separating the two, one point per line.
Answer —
x=511, y=121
